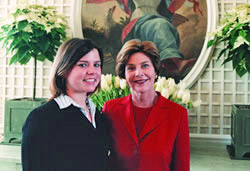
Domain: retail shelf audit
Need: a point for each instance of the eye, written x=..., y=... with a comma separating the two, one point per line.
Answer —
x=82, y=64
x=130, y=68
x=145, y=65
x=97, y=65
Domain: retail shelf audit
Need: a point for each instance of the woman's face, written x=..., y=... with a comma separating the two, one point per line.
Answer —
x=85, y=75
x=140, y=73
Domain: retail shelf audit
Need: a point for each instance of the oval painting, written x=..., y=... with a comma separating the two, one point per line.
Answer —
x=177, y=27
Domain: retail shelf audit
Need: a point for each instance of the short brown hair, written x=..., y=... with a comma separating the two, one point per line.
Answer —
x=133, y=46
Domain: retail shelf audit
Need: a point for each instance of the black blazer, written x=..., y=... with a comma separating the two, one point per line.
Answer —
x=63, y=140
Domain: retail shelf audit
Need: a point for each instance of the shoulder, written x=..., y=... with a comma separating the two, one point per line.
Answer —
x=175, y=108
x=117, y=101
x=42, y=112
x=115, y=105
x=38, y=118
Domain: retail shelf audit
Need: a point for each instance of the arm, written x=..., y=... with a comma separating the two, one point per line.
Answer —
x=181, y=153
x=35, y=144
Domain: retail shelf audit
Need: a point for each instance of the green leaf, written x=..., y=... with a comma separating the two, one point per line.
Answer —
x=26, y=37
x=41, y=57
x=241, y=71
x=248, y=61
x=13, y=59
x=227, y=60
x=210, y=43
x=221, y=53
x=234, y=36
x=243, y=33
x=248, y=36
x=39, y=33
x=11, y=32
x=242, y=52
x=25, y=59
x=226, y=29
x=22, y=24
x=235, y=62
x=22, y=52
x=44, y=44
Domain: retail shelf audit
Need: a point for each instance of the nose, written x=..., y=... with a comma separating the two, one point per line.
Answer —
x=139, y=72
x=91, y=70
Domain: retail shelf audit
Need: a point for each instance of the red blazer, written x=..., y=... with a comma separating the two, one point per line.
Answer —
x=163, y=143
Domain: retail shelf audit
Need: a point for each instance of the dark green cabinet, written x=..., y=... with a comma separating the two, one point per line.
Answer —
x=240, y=130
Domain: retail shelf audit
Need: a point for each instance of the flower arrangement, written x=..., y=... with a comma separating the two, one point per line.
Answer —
x=33, y=31
x=234, y=32
x=114, y=87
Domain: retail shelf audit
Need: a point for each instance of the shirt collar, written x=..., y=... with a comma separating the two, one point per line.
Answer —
x=65, y=101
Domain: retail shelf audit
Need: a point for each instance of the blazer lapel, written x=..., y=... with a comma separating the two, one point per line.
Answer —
x=127, y=117
x=157, y=115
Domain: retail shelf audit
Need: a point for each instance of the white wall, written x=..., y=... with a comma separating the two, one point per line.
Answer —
x=218, y=87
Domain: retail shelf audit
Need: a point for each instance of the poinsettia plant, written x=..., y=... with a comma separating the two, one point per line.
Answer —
x=114, y=87
x=234, y=32
x=33, y=31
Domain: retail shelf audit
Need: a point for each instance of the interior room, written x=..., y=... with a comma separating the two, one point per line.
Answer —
x=219, y=117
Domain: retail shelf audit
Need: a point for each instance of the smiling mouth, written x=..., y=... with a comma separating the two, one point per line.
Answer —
x=141, y=81
x=90, y=80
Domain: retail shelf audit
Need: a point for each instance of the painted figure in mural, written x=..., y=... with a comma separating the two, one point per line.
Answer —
x=149, y=131
x=68, y=132
x=154, y=20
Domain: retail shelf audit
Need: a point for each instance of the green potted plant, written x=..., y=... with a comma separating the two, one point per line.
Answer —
x=31, y=31
x=234, y=32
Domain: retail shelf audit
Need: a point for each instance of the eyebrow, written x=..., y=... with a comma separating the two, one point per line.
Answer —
x=140, y=63
x=86, y=61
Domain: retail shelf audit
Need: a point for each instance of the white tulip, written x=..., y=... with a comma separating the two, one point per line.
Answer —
x=171, y=85
x=174, y=95
x=108, y=78
x=180, y=93
x=123, y=83
x=186, y=97
x=171, y=82
x=162, y=81
x=117, y=82
x=165, y=93
x=171, y=90
x=104, y=84
x=158, y=87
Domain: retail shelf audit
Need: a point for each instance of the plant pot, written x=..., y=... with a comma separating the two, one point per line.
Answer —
x=16, y=112
x=240, y=131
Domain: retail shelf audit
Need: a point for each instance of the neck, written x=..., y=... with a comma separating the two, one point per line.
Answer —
x=145, y=99
x=79, y=98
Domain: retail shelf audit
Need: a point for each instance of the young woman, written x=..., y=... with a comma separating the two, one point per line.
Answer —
x=149, y=131
x=68, y=133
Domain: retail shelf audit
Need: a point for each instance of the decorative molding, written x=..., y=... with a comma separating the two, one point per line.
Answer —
x=206, y=53
x=76, y=18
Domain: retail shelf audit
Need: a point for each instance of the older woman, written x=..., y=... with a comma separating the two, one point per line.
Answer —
x=149, y=132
